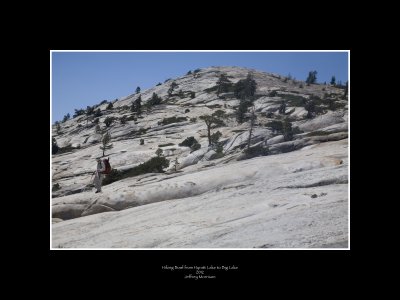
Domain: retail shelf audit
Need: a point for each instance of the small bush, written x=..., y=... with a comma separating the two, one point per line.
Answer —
x=318, y=133
x=141, y=141
x=108, y=121
x=187, y=110
x=301, y=85
x=158, y=84
x=188, y=142
x=166, y=145
x=255, y=151
x=123, y=119
x=110, y=106
x=276, y=126
x=196, y=71
x=171, y=120
x=192, y=95
x=154, y=165
x=294, y=100
x=159, y=152
x=195, y=146
x=188, y=73
x=273, y=93
x=56, y=187
x=114, y=175
x=193, y=120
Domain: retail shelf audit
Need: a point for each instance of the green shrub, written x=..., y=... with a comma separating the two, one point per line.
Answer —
x=193, y=120
x=154, y=165
x=196, y=71
x=187, y=110
x=192, y=95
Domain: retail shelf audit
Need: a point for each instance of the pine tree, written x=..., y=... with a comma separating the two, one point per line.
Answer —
x=110, y=106
x=106, y=142
x=66, y=117
x=171, y=88
x=333, y=80
x=97, y=129
x=312, y=77
x=223, y=84
x=210, y=120
x=252, y=121
x=138, y=90
x=58, y=127
x=54, y=148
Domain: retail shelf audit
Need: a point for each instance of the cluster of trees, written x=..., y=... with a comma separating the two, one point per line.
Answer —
x=244, y=90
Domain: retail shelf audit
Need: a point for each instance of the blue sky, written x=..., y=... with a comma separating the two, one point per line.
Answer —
x=80, y=79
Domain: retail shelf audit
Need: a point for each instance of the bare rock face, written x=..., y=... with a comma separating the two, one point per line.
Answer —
x=292, y=195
